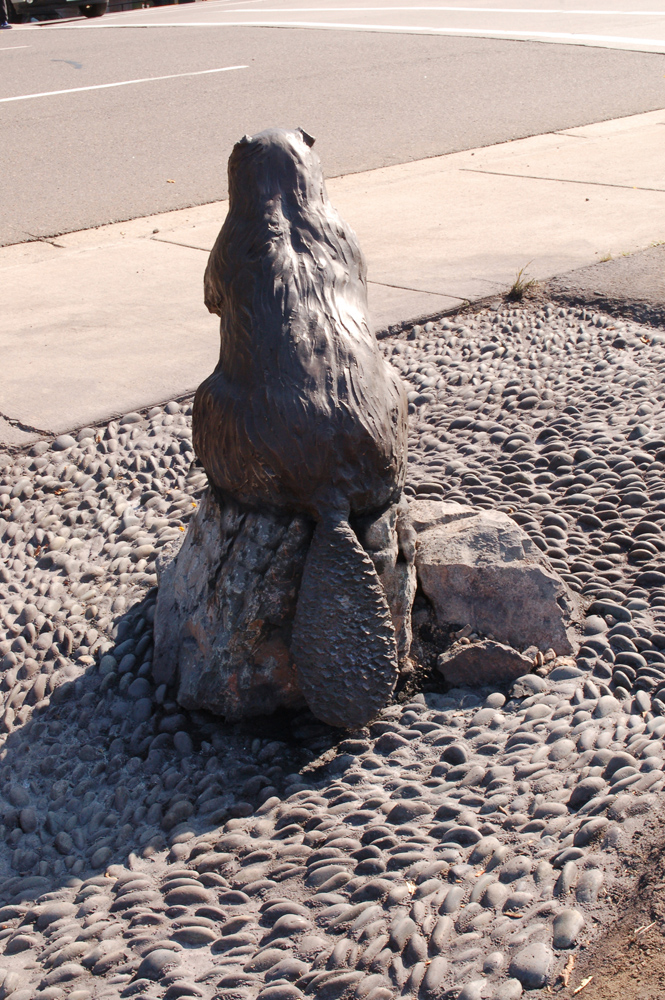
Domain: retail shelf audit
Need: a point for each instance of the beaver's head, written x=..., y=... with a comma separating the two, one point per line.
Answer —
x=276, y=163
x=281, y=232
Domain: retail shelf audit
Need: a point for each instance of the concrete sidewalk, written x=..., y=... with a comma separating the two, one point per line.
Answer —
x=104, y=321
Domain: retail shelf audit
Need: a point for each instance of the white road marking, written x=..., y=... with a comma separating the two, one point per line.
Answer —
x=559, y=36
x=230, y=3
x=470, y=10
x=122, y=83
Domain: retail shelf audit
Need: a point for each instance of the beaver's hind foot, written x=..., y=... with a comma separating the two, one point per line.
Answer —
x=343, y=640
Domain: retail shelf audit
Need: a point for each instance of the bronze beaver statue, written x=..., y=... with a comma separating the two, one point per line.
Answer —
x=302, y=414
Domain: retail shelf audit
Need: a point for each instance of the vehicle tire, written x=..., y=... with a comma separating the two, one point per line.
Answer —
x=93, y=9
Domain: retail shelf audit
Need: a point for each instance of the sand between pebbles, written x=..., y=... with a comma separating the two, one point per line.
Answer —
x=467, y=842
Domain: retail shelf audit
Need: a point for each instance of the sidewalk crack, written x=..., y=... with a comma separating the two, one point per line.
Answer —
x=174, y=243
x=43, y=239
x=27, y=428
x=419, y=291
x=561, y=180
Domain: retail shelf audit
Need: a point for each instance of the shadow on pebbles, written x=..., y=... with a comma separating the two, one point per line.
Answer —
x=468, y=843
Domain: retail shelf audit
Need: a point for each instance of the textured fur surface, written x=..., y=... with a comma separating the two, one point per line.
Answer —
x=302, y=412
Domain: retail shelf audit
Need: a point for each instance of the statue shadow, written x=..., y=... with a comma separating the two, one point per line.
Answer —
x=106, y=745
x=109, y=771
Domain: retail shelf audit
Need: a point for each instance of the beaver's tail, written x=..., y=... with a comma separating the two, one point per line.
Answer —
x=343, y=640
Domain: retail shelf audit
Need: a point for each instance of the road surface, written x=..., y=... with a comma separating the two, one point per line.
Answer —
x=135, y=113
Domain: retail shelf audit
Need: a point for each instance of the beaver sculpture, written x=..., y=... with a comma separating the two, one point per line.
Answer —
x=302, y=414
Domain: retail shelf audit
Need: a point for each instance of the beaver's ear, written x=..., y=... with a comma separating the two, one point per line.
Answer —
x=246, y=139
x=306, y=137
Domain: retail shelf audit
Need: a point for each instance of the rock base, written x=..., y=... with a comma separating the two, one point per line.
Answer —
x=227, y=602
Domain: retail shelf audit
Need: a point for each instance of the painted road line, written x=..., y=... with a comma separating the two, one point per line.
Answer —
x=463, y=10
x=121, y=83
x=558, y=36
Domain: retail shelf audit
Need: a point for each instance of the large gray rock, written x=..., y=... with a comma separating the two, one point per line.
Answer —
x=479, y=568
x=227, y=600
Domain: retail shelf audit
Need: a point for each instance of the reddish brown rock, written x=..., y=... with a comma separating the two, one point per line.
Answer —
x=224, y=611
x=481, y=664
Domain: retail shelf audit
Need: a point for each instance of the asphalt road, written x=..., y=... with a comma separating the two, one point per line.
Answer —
x=86, y=157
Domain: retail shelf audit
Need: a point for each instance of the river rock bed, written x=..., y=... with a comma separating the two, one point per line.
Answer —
x=466, y=843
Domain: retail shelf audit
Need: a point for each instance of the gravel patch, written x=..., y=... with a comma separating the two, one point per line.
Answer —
x=466, y=843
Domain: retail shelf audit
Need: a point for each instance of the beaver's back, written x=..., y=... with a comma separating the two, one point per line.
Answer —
x=264, y=445
x=302, y=409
